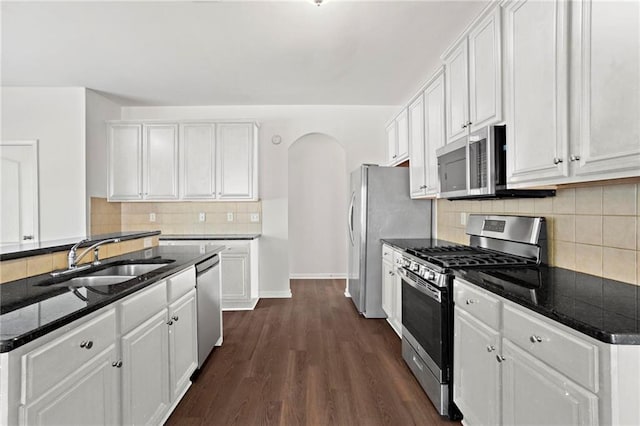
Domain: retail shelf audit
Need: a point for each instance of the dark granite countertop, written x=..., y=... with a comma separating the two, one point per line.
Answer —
x=407, y=243
x=196, y=237
x=30, y=307
x=44, y=247
x=604, y=309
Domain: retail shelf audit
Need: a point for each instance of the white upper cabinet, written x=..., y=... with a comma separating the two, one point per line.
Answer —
x=237, y=161
x=457, y=86
x=183, y=161
x=485, y=72
x=417, y=167
x=435, y=136
x=606, y=54
x=160, y=154
x=198, y=171
x=536, y=85
x=125, y=162
x=398, y=139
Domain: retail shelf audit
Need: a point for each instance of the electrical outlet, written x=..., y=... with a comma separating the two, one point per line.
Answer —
x=463, y=218
x=202, y=217
x=147, y=242
x=255, y=217
x=152, y=217
x=229, y=217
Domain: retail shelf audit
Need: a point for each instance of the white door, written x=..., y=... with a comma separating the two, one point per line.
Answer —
x=485, y=72
x=161, y=161
x=90, y=396
x=435, y=136
x=457, y=86
x=535, y=394
x=183, y=349
x=476, y=381
x=387, y=289
x=536, y=56
x=198, y=161
x=125, y=162
x=145, y=372
x=392, y=142
x=19, y=213
x=417, y=143
x=235, y=160
x=403, y=135
x=235, y=276
x=608, y=66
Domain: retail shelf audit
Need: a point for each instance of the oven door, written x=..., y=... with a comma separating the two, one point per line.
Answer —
x=424, y=322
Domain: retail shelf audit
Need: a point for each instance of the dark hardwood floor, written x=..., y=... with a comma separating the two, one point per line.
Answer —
x=306, y=360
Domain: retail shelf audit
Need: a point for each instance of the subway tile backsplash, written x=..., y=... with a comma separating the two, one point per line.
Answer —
x=593, y=229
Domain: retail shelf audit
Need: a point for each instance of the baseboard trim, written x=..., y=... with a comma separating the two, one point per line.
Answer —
x=282, y=294
x=317, y=276
x=176, y=402
x=347, y=294
x=239, y=305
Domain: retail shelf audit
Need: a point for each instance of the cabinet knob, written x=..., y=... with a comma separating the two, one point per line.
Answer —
x=470, y=301
x=390, y=272
x=464, y=126
x=491, y=348
x=557, y=160
x=175, y=318
x=170, y=323
x=423, y=186
x=535, y=339
x=394, y=156
x=385, y=254
x=574, y=158
x=86, y=344
x=500, y=358
x=116, y=364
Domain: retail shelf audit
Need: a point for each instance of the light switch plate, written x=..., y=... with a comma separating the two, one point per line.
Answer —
x=152, y=217
x=202, y=217
x=255, y=217
x=229, y=217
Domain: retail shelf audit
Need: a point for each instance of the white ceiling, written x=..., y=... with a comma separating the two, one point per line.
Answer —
x=232, y=52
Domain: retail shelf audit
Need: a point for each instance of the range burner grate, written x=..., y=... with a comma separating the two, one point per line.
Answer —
x=465, y=256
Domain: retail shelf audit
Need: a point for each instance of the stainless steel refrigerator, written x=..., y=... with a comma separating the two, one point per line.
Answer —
x=380, y=207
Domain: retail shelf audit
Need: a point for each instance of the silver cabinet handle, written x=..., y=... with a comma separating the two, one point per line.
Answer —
x=500, y=358
x=557, y=160
x=491, y=348
x=175, y=318
x=574, y=158
x=535, y=339
x=117, y=364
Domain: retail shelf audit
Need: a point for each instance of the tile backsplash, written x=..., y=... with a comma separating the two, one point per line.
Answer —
x=183, y=217
x=591, y=229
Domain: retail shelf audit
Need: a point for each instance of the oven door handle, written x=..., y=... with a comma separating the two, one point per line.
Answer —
x=425, y=289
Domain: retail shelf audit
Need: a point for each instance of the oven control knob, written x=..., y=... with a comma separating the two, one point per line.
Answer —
x=431, y=276
x=415, y=267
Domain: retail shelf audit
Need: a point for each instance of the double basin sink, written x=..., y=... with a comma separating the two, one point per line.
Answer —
x=109, y=275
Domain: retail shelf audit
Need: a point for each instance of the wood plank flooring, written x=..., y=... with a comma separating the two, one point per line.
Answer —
x=308, y=360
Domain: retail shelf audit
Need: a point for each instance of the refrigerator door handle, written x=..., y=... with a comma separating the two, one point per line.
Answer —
x=350, y=218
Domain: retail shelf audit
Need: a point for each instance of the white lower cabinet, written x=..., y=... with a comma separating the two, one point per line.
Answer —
x=391, y=289
x=183, y=348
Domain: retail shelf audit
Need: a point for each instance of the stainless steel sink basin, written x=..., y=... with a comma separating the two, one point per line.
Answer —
x=129, y=269
x=94, y=281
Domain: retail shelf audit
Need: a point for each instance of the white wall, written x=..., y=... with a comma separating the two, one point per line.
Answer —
x=317, y=208
x=55, y=117
x=360, y=130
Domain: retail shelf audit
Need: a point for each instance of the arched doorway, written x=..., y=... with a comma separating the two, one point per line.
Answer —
x=316, y=208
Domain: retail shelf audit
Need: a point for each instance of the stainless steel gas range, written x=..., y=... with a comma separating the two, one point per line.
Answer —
x=427, y=302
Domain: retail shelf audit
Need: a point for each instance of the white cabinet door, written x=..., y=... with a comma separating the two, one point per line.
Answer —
x=89, y=396
x=198, y=161
x=534, y=393
x=235, y=160
x=608, y=67
x=397, y=298
x=485, y=72
x=392, y=142
x=183, y=349
x=161, y=161
x=403, y=135
x=417, y=143
x=536, y=57
x=125, y=162
x=435, y=136
x=476, y=383
x=457, y=86
x=235, y=276
x=145, y=372
x=387, y=289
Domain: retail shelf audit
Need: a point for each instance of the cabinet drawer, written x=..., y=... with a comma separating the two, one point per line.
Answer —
x=478, y=303
x=141, y=306
x=181, y=283
x=570, y=355
x=387, y=253
x=233, y=248
x=49, y=364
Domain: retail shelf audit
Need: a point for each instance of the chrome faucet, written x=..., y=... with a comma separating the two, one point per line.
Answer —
x=73, y=258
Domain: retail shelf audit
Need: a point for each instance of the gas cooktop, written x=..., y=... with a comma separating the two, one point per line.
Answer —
x=457, y=256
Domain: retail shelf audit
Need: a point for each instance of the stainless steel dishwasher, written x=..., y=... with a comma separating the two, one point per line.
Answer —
x=209, y=292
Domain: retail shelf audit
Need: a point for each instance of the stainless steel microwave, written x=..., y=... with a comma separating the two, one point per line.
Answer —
x=475, y=166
